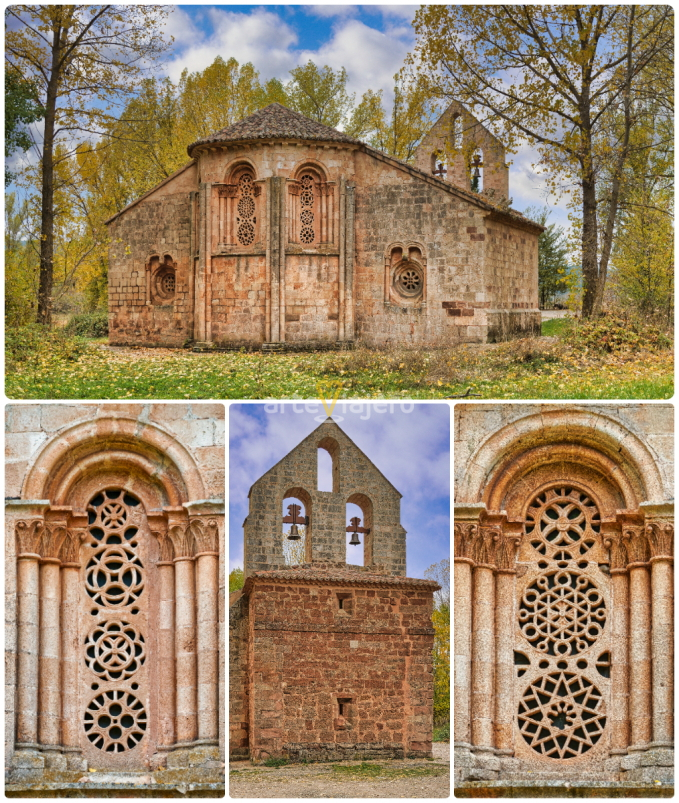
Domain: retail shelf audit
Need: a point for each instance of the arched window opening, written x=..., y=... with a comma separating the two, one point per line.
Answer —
x=238, y=209
x=312, y=214
x=355, y=540
x=439, y=165
x=406, y=276
x=476, y=167
x=328, y=465
x=456, y=131
x=160, y=279
x=295, y=526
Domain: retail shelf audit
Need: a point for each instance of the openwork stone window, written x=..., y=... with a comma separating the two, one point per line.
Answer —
x=161, y=279
x=562, y=627
x=312, y=214
x=238, y=202
x=405, y=274
x=115, y=647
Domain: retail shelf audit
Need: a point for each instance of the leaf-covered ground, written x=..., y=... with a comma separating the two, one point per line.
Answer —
x=536, y=368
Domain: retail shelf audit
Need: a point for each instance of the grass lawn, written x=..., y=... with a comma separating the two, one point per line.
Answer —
x=524, y=369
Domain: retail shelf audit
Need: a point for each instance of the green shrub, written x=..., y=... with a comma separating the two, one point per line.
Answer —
x=275, y=762
x=33, y=343
x=89, y=324
x=442, y=733
x=615, y=332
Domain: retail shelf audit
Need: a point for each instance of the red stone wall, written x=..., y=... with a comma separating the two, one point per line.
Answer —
x=238, y=674
x=238, y=298
x=307, y=654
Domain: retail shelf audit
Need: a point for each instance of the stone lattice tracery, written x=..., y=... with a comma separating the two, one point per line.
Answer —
x=306, y=216
x=245, y=219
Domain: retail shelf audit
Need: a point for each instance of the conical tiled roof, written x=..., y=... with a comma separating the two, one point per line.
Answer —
x=275, y=122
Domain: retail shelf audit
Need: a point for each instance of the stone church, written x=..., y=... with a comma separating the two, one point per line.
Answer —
x=329, y=660
x=283, y=233
x=564, y=610
x=114, y=562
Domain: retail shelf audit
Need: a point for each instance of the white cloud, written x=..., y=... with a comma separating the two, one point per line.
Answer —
x=330, y=10
x=261, y=37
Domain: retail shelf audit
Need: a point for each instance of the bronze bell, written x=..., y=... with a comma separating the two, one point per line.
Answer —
x=294, y=534
x=354, y=539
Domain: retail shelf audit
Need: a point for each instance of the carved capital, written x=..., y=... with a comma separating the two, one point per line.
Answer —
x=205, y=535
x=52, y=537
x=28, y=534
x=617, y=548
x=166, y=546
x=70, y=546
x=506, y=550
x=464, y=537
x=638, y=550
x=484, y=547
x=182, y=541
x=257, y=190
x=326, y=188
x=293, y=187
x=660, y=536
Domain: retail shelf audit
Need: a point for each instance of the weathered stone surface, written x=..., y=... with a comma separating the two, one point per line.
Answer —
x=329, y=661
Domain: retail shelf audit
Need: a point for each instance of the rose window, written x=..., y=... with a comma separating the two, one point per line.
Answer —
x=307, y=234
x=562, y=517
x=114, y=650
x=561, y=715
x=115, y=721
x=167, y=283
x=562, y=613
x=408, y=279
x=245, y=220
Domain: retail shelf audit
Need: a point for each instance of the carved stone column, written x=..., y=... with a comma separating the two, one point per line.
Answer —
x=483, y=637
x=70, y=653
x=660, y=535
x=28, y=593
x=49, y=713
x=620, y=730
x=185, y=633
x=505, y=620
x=640, y=636
x=167, y=697
x=206, y=540
x=465, y=533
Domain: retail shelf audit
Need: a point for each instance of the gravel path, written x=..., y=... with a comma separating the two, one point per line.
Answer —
x=395, y=779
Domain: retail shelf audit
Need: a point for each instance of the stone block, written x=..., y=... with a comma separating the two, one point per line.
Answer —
x=660, y=757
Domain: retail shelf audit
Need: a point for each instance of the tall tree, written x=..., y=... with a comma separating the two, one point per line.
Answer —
x=83, y=58
x=555, y=76
x=553, y=267
x=320, y=93
x=22, y=108
x=440, y=572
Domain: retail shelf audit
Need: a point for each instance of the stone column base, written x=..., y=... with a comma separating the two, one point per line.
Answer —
x=653, y=765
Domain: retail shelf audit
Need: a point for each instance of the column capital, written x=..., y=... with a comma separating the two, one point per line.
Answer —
x=617, y=548
x=660, y=537
x=465, y=534
x=28, y=535
x=636, y=541
x=182, y=541
x=205, y=536
x=69, y=552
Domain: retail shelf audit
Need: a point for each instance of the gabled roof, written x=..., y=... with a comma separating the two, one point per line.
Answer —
x=275, y=122
x=309, y=573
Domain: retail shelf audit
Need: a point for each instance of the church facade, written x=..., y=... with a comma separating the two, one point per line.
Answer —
x=283, y=231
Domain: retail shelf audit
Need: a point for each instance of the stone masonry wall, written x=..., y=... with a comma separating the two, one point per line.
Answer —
x=159, y=224
x=238, y=675
x=357, y=480
x=307, y=654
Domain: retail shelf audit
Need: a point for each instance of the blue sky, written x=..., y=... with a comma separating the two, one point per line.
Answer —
x=409, y=444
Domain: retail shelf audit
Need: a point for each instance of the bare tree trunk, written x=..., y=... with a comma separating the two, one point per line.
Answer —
x=590, y=272
x=47, y=206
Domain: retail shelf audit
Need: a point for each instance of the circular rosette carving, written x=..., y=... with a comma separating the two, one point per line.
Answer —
x=246, y=206
x=115, y=721
x=562, y=517
x=562, y=613
x=561, y=715
x=114, y=650
x=246, y=233
x=114, y=576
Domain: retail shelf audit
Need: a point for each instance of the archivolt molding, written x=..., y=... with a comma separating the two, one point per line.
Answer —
x=502, y=457
x=112, y=442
